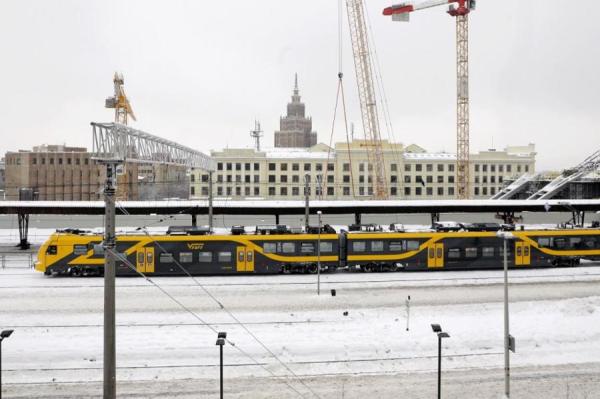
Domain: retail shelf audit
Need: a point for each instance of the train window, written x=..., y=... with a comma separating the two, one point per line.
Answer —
x=396, y=246
x=249, y=256
x=560, y=243
x=471, y=252
x=80, y=249
x=149, y=258
x=224, y=256
x=454, y=253
x=288, y=247
x=185, y=257
x=51, y=250
x=590, y=243
x=544, y=242
x=526, y=251
x=359, y=246
x=98, y=249
x=412, y=245
x=205, y=257
x=487, y=252
x=166, y=257
x=376, y=246
x=326, y=246
x=270, y=247
x=431, y=253
x=241, y=256
x=140, y=257
x=307, y=248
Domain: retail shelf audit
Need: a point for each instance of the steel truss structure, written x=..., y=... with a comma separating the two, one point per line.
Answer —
x=114, y=141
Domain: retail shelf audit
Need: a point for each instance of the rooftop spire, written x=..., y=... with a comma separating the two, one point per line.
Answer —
x=296, y=95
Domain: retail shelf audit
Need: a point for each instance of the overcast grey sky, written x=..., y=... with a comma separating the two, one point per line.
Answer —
x=200, y=72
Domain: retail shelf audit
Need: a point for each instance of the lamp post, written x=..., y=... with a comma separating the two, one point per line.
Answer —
x=438, y=330
x=508, y=340
x=319, y=256
x=3, y=334
x=220, y=342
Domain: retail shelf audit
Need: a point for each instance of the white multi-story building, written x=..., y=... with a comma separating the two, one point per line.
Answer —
x=345, y=172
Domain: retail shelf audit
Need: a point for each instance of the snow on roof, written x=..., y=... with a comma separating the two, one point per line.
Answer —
x=297, y=153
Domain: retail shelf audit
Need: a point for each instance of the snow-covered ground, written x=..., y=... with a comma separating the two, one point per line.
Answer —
x=166, y=351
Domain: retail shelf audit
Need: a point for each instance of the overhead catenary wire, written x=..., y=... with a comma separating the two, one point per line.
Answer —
x=222, y=307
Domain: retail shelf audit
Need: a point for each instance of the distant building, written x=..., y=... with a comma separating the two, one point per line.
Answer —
x=62, y=173
x=344, y=172
x=2, y=174
x=295, y=129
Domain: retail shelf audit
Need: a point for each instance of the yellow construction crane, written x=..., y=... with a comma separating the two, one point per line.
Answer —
x=119, y=101
x=366, y=93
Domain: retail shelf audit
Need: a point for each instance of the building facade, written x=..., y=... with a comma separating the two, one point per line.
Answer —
x=295, y=129
x=62, y=173
x=344, y=172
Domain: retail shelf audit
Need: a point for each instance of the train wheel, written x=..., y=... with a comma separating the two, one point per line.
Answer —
x=311, y=269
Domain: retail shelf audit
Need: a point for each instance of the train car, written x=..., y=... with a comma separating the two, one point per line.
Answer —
x=469, y=249
x=75, y=252
x=191, y=251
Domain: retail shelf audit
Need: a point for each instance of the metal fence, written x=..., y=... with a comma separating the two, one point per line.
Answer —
x=17, y=260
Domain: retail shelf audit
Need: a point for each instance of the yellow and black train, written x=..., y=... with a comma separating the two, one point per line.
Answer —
x=181, y=251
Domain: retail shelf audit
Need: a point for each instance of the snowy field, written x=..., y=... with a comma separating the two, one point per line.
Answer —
x=287, y=342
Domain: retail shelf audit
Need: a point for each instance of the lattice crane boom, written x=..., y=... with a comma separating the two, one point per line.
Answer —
x=459, y=9
x=366, y=92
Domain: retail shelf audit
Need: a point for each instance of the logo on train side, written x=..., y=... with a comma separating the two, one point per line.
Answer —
x=195, y=245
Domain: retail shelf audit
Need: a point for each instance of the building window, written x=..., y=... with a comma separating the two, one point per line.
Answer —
x=192, y=191
x=394, y=191
x=295, y=191
x=361, y=179
x=492, y=168
x=330, y=179
x=407, y=191
x=256, y=191
x=406, y=178
x=271, y=178
x=246, y=191
x=476, y=167
x=476, y=190
x=418, y=190
x=238, y=166
x=450, y=191
x=484, y=179
x=219, y=178
x=283, y=191
x=361, y=191
x=229, y=179
x=361, y=167
x=60, y=162
x=509, y=168
x=492, y=179
x=418, y=167
x=295, y=166
x=492, y=190
x=440, y=191
x=228, y=165
x=330, y=167
x=346, y=191
x=247, y=166
x=484, y=168
x=51, y=161
x=394, y=167
x=306, y=167
x=228, y=191
x=429, y=167
x=220, y=166
x=429, y=179
x=330, y=191
x=429, y=190
x=204, y=178
x=346, y=178
x=256, y=166
x=526, y=168
x=256, y=179
x=407, y=167
x=451, y=168
x=450, y=179
x=271, y=191
x=204, y=190
x=440, y=179
x=501, y=168
x=440, y=167
x=318, y=167
x=476, y=179
x=346, y=167
x=295, y=179
x=246, y=178
x=238, y=191
x=393, y=179
x=484, y=191
x=283, y=167
x=77, y=161
x=283, y=178
x=271, y=166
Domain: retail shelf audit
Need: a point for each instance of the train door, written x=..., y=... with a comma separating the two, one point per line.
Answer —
x=140, y=263
x=522, y=253
x=435, y=255
x=145, y=260
x=149, y=260
x=249, y=260
x=241, y=259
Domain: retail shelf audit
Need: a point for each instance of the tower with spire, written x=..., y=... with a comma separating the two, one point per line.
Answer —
x=295, y=129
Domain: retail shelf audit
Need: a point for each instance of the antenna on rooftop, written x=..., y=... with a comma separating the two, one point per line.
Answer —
x=256, y=134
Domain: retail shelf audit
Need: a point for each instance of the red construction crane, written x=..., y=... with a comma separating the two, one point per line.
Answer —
x=401, y=12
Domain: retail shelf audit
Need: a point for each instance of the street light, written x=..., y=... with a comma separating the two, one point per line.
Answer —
x=319, y=256
x=508, y=340
x=220, y=342
x=3, y=334
x=438, y=330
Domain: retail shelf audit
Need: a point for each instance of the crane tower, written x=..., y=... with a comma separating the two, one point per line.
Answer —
x=366, y=93
x=401, y=12
x=119, y=101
